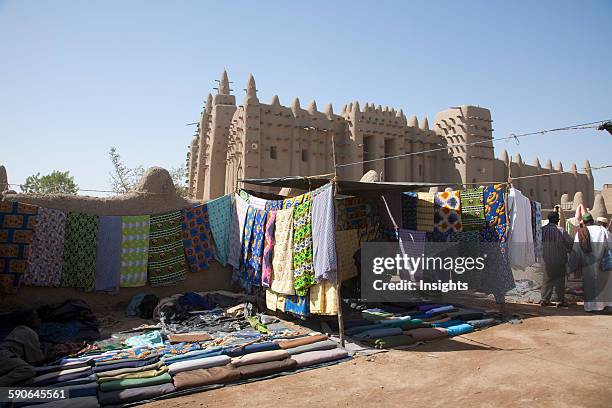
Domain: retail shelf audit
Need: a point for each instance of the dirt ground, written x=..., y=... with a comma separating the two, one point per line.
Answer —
x=555, y=357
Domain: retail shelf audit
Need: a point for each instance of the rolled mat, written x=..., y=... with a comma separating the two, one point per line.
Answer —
x=287, y=344
x=204, y=362
x=260, y=357
x=251, y=348
x=206, y=376
x=188, y=337
x=126, y=383
x=426, y=334
x=394, y=341
x=134, y=394
x=208, y=352
x=320, y=345
x=271, y=367
x=424, y=308
x=318, y=357
x=137, y=374
x=378, y=333
x=459, y=329
x=466, y=315
x=120, y=371
x=80, y=402
x=477, y=324
x=384, y=324
x=448, y=323
x=440, y=309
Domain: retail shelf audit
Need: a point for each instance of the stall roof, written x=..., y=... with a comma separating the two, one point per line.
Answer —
x=344, y=186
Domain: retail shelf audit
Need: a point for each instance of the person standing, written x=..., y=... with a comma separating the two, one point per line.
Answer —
x=556, y=244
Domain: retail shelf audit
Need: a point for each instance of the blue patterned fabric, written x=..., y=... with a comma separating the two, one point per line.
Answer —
x=255, y=252
x=220, y=219
x=298, y=305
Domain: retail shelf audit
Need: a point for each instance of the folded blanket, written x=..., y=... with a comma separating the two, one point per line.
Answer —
x=59, y=367
x=134, y=394
x=205, y=362
x=287, y=344
x=125, y=364
x=54, y=375
x=270, y=367
x=378, y=333
x=76, y=381
x=120, y=371
x=477, y=324
x=206, y=376
x=64, y=377
x=188, y=337
x=137, y=374
x=123, y=384
x=318, y=357
x=191, y=355
x=81, y=402
x=251, y=348
x=260, y=357
x=459, y=329
x=426, y=334
x=320, y=345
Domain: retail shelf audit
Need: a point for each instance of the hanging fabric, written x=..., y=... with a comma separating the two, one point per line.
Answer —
x=323, y=235
x=425, y=212
x=303, y=273
x=267, y=270
x=135, y=230
x=472, y=208
x=239, y=210
x=166, y=252
x=196, y=237
x=79, y=260
x=520, y=240
x=108, y=254
x=220, y=219
x=323, y=299
x=447, y=211
x=255, y=251
x=282, y=258
x=409, y=210
x=44, y=267
x=536, y=221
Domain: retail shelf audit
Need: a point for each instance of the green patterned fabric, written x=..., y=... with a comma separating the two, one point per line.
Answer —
x=134, y=250
x=472, y=208
x=166, y=253
x=302, y=247
x=79, y=259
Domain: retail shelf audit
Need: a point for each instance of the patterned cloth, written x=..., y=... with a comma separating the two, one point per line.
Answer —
x=303, y=272
x=79, y=260
x=134, y=250
x=274, y=205
x=196, y=237
x=108, y=254
x=249, y=223
x=352, y=213
x=220, y=219
x=297, y=305
x=447, y=211
x=255, y=252
x=266, y=265
x=239, y=210
x=17, y=222
x=472, y=208
x=323, y=235
x=292, y=202
x=425, y=212
x=409, y=210
x=46, y=249
x=282, y=259
x=166, y=253
x=323, y=299
x=495, y=229
x=275, y=301
x=347, y=242
x=536, y=224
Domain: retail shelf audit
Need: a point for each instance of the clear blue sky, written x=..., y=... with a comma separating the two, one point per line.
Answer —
x=77, y=77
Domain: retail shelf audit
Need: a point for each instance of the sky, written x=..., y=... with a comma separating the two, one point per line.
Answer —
x=77, y=77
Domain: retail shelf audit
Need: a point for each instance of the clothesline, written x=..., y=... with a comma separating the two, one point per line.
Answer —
x=512, y=136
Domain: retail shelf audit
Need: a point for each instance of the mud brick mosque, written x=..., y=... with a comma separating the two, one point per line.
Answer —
x=258, y=140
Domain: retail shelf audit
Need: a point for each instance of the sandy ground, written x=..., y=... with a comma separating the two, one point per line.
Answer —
x=560, y=358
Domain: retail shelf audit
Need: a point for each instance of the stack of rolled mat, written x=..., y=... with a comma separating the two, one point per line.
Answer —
x=102, y=366
x=203, y=362
x=459, y=329
x=268, y=367
x=129, y=395
x=384, y=324
x=447, y=323
x=378, y=333
x=129, y=372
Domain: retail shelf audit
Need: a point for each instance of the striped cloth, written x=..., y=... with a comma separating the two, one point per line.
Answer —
x=134, y=250
x=166, y=253
x=220, y=219
x=46, y=249
x=472, y=208
x=196, y=237
x=79, y=260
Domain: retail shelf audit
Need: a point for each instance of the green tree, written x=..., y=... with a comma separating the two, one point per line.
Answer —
x=56, y=182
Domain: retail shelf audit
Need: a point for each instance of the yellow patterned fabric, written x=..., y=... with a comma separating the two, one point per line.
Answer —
x=425, y=212
x=275, y=301
x=347, y=243
x=282, y=261
x=324, y=299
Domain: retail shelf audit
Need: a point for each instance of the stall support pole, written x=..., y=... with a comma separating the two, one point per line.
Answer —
x=338, y=274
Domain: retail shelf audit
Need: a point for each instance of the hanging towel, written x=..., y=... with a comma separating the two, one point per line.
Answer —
x=108, y=254
x=79, y=261
x=323, y=235
x=44, y=267
x=472, y=208
x=303, y=274
x=220, y=219
x=134, y=250
x=196, y=237
x=425, y=212
x=409, y=210
x=239, y=210
x=447, y=211
x=166, y=253
x=282, y=259
x=17, y=222
x=267, y=270
x=323, y=299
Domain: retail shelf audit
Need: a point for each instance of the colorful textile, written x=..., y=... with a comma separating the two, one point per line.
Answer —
x=303, y=273
x=17, y=222
x=347, y=243
x=472, y=208
x=268, y=251
x=220, y=219
x=275, y=301
x=496, y=229
x=255, y=251
x=249, y=223
x=166, y=253
x=352, y=213
x=323, y=235
x=134, y=250
x=536, y=224
x=274, y=205
x=323, y=299
x=239, y=210
x=298, y=305
x=282, y=259
x=447, y=211
x=196, y=237
x=44, y=267
x=108, y=254
x=79, y=260
x=292, y=202
x=425, y=212
x=409, y=210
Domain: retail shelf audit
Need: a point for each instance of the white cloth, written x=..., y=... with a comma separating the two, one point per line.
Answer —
x=205, y=362
x=239, y=210
x=257, y=203
x=324, y=235
x=520, y=239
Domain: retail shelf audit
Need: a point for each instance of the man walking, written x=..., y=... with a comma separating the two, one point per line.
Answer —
x=556, y=244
